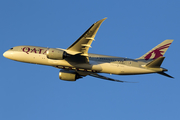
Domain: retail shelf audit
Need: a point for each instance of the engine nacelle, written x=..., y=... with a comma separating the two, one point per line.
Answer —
x=56, y=54
x=68, y=75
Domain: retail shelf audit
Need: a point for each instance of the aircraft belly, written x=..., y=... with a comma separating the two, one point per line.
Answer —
x=120, y=69
x=109, y=68
x=130, y=70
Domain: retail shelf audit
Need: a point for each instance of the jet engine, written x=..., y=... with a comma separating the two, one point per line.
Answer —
x=56, y=54
x=68, y=75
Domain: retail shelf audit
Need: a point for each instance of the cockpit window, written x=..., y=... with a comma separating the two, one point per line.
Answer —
x=11, y=48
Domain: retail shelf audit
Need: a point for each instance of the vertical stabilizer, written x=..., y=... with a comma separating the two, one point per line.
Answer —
x=157, y=51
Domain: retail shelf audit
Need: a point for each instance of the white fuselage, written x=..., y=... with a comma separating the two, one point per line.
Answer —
x=97, y=63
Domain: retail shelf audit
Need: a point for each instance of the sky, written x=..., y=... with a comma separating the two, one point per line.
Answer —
x=132, y=28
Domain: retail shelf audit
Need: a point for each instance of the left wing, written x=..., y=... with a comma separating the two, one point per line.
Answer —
x=83, y=43
x=106, y=78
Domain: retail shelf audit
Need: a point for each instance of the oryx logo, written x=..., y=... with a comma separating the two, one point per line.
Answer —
x=158, y=52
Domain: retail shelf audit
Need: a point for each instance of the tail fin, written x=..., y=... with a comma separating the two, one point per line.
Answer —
x=157, y=51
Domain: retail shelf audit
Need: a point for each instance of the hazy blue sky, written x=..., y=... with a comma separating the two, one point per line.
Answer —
x=133, y=27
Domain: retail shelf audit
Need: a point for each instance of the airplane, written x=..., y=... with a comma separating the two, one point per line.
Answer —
x=75, y=62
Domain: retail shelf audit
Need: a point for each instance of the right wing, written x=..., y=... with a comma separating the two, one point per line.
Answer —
x=83, y=43
x=106, y=78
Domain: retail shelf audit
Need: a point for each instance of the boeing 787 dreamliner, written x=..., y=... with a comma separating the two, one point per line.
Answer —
x=75, y=62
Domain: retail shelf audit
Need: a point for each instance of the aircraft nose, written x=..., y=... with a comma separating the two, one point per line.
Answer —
x=7, y=54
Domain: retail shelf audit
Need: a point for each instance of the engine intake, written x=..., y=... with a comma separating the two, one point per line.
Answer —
x=68, y=75
x=56, y=54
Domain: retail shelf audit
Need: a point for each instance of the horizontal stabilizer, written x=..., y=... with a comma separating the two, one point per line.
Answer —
x=155, y=63
x=165, y=74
